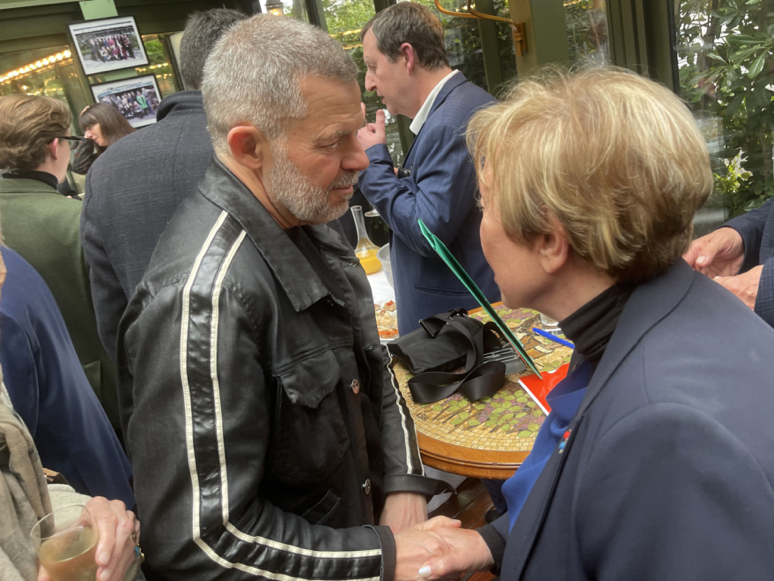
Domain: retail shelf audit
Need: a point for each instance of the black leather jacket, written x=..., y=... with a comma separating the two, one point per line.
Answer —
x=255, y=400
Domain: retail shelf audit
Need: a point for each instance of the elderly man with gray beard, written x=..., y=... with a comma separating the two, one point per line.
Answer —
x=266, y=437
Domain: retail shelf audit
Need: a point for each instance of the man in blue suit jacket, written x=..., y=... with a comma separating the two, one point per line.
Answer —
x=403, y=49
x=741, y=253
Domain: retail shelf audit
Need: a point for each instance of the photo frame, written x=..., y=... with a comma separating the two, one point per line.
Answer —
x=136, y=98
x=108, y=44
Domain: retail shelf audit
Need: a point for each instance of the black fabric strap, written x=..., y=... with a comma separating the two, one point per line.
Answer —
x=475, y=382
x=483, y=381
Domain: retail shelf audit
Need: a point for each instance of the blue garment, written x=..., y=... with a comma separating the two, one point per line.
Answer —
x=49, y=389
x=564, y=400
x=441, y=190
x=667, y=473
x=757, y=230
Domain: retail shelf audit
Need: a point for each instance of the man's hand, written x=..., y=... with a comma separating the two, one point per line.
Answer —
x=403, y=510
x=439, y=549
x=717, y=254
x=373, y=133
x=745, y=286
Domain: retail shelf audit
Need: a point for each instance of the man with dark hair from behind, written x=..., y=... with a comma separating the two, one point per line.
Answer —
x=134, y=188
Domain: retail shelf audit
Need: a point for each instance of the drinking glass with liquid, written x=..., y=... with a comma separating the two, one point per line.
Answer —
x=66, y=543
x=549, y=325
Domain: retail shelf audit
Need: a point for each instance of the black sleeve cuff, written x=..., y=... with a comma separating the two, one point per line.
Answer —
x=496, y=544
x=387, y=542
x=415, y=483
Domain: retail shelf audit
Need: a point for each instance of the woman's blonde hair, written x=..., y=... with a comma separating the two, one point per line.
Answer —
x=28, y=123
x=617, y=158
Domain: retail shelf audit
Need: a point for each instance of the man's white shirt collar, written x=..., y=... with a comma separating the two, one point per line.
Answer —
x=421, y=117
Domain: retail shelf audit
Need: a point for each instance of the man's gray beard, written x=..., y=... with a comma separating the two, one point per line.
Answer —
x=298, y=195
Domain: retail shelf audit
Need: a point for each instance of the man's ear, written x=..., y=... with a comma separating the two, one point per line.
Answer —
x=248, y=146
x=53, y=149
x=553, y=248
x=407, y=52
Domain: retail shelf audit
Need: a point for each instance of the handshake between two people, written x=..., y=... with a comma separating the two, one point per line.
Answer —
x=439, y=549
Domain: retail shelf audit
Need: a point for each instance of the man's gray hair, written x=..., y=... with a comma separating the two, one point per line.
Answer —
x=411, y=23
x=202, y=31
x=253, y=74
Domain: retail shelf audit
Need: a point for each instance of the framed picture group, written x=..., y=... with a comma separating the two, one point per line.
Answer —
x=114, y=44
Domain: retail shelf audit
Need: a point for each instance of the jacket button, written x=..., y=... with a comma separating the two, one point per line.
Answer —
x=355, y=385
x=367, y=486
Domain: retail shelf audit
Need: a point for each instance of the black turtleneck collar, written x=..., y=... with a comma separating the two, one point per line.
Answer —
x=30, y=174
x=592, y=325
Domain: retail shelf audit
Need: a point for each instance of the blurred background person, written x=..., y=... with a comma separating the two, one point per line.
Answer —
x=43, y=226
x=657, y=458
x=740, y=256
x=404, y=51
x=135, y=187
x=49, y=390
x=102, y=126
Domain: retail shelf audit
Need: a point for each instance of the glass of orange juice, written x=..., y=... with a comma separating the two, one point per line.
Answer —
x=66, y=542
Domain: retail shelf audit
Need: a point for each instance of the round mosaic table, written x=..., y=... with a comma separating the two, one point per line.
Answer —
x=489, y=438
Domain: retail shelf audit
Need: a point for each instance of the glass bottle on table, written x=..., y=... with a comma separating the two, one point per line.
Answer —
x=365, y=249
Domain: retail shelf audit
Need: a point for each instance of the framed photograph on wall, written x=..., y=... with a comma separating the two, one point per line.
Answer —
x=108, y=44
x=136, y=98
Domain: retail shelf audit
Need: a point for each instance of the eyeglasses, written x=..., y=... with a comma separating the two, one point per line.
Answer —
x=73, y=140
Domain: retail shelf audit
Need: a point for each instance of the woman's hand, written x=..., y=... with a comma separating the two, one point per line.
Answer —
x=116, y=547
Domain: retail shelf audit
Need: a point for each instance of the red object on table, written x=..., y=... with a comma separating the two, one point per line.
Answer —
x=538, y=389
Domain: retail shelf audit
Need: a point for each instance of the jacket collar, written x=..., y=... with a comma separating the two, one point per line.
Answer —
x=649, y=304
x=181, y=102
x=24, y=186
x=454, y=82
x=301, y=283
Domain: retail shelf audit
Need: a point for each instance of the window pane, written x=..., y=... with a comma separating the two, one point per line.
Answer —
x=463, y=41
x=505, y=41
x=586, y=22
x=49, y=72
x=293, y=8
x=727, y=76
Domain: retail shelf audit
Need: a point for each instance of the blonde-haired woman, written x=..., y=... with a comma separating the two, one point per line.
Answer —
x=657, y=460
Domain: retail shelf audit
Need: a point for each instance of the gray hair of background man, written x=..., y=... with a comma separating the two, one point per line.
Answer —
x=202, y=31
x=411, y=23
x=253, y=74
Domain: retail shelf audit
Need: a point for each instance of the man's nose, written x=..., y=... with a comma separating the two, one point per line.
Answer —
x=356, y=160
x=369, y=82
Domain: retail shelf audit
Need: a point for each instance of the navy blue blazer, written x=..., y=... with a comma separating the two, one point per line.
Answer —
x=668, y=470
x=132, y=190
x=757, y=230
x=50, y=392
x=441, y=190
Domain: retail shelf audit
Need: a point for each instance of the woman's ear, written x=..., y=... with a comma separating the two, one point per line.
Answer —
x=554, y=248
x=248, y=146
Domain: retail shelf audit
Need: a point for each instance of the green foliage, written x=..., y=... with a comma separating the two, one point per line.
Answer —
x=155, y=51
x=726, y=71
x=586, y=22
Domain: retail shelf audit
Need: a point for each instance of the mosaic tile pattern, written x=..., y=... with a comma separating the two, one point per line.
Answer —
x=509, y=420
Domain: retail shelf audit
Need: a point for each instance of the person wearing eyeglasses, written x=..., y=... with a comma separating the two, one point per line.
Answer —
x=43, y=226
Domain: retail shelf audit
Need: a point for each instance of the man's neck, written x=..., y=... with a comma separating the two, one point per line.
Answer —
x=426, y=81
x=253, y=183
